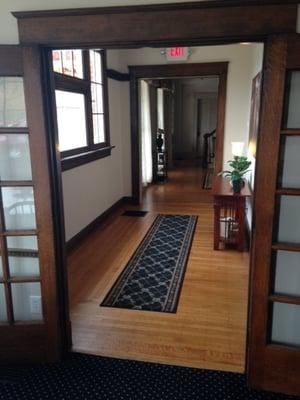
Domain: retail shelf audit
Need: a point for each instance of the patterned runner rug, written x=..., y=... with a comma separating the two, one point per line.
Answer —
x=153, y=277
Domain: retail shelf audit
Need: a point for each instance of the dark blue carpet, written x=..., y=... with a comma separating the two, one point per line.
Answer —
x=91, y=377
x=153, y=277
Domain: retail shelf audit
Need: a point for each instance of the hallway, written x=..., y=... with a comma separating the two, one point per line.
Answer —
x=209, y=328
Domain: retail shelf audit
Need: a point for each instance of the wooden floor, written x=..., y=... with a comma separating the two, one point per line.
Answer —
x=209, y=328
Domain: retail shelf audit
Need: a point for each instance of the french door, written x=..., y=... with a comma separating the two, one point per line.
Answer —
x=274, y=337
x=30, y=328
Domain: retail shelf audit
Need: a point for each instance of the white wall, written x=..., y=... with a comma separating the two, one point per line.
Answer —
x=8, y=24
x=256, y=67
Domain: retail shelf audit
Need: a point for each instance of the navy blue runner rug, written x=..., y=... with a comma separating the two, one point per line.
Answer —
x=153, y=277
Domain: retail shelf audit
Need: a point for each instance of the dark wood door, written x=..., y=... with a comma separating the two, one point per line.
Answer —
x=30, y=328
x=274, y=337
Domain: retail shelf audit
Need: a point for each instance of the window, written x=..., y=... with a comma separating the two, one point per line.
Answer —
x=81, y=105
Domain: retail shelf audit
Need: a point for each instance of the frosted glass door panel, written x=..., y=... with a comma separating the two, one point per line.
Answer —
x=291, y=162
x=19, y=210
x=68, y=62
x=15, y=158
x=286, y=324
x=22, y=243
x=293, y=116
x=27, y=304
x=3, y=312
x=12, y=103
x=289, y=219
x=287, y=273
x=23, y=256
x=23, y=266
x=1, y=267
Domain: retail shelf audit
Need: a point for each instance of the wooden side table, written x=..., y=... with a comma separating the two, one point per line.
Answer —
x=229, y=214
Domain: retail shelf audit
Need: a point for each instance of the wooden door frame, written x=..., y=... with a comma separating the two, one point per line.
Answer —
x=219, y=69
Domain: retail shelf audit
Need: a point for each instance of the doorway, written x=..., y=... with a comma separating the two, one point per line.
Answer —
x=115, y=238
x=178, y=127
x=186, y=142
x=187, y=22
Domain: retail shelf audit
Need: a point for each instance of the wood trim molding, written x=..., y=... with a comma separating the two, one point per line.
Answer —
x=81, y=235
x=133, y=25
x=173, y=70
x=32, y=339
x=84, y=158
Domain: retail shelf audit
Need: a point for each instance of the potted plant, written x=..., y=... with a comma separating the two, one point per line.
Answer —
x=240, y=166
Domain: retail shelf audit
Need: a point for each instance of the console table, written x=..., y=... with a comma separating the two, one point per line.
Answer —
x=229, y=214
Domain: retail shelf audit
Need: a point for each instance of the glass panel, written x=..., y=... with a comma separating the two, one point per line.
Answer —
x=97, y=98
x=293, y=114
x=287, y=273
x=19, y=209
x=3, y=311
x=291, y=164
x=15, y=158
x=23, y=266
x=68, y=62
x=71, y=120
x=23, y=256
x=12, y=102
x=27, y=303
x=286, y=324
x=95, y=66
x=289, y=219
x=99, y=134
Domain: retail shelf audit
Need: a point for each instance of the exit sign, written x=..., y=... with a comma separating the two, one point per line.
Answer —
x=177, y=53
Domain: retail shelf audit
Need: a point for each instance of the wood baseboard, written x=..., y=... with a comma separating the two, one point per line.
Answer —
x=81, y=235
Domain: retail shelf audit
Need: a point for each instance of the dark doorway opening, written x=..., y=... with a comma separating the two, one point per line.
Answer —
x=218, y=69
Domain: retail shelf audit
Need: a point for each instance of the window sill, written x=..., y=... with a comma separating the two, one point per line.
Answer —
x=85, y=158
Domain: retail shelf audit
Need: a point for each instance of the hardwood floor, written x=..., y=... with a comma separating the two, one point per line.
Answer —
x=209, y=328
